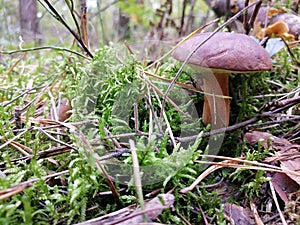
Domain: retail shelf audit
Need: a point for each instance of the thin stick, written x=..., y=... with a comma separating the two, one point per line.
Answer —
x=41, y=85
x=101, y=168
x=254, y=15
x=200, y=178
x=240, y=125
x=13, y=191
x=169, y=129
x=152, y=115
x=136, y=117
x=233, y=163
x=145, y=211
x=277, y=204
x=43, y=48
x=279, y=169
x=245, y=18
x=157, y=90
x=56, y=140
x=183, y=40
x=14, y=138
x=294, y=58
x=29, y=184
x=16, y=146
x=255, y=213
x=58, y=17
x=137, y=176
x=108, y=133
x=182, y=85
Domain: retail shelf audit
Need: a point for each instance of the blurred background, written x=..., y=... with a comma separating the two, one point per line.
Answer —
x=115, y=20
x=107, y=20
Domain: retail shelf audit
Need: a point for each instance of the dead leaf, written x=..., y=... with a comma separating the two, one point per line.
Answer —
x=284, y=185
x=129, y=216
x=288, y=156
x=62, y=110
x=275, y=142
x=239, y=215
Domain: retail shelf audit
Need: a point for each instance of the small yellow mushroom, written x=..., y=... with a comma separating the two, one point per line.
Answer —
x=278, y=29
x=275, y=11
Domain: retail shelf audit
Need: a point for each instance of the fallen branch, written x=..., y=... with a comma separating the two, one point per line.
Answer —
x=6, y=193
x=285, y=104
x=128, y=216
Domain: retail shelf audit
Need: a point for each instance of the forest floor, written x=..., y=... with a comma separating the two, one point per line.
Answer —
x=97, y=142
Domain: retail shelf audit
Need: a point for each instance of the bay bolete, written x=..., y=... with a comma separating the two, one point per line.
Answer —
x=222, y=54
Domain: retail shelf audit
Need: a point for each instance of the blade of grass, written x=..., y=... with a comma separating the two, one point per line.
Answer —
x=137, y=178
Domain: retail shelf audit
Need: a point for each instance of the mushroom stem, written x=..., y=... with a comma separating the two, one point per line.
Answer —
x=216, y=108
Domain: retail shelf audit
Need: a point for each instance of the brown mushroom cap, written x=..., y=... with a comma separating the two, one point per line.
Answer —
x=220, y=55
x=225, y=52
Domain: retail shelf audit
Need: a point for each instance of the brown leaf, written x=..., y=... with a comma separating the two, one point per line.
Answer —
x=239, y=215
x=63, y=110
x=294, y=165
x=284, y=185
x=275, y=142
x=288, y=156
x=130, y=216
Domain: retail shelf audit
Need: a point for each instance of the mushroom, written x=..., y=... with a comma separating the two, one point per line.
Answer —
x=222, y=54
x=278, y=29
